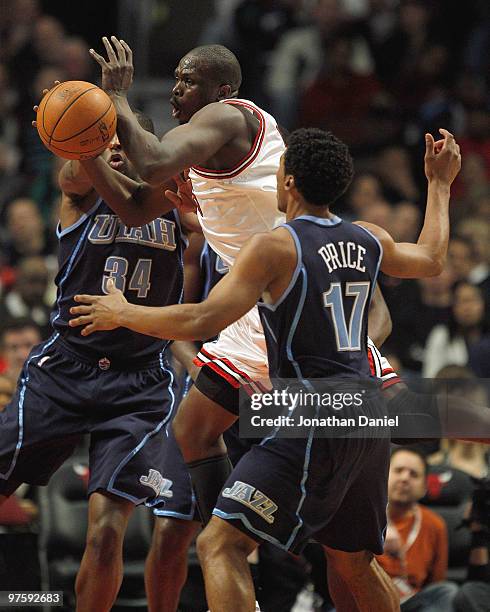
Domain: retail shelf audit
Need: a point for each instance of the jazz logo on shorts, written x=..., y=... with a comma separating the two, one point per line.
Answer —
x=158, y=483
x=252, y=498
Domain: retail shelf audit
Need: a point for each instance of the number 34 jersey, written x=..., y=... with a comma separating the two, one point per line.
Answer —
x=318, y=328
x=145, y=263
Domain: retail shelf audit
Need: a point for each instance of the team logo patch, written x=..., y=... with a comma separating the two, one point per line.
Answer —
x=104, y=363
x=252, y=498
x=158, y=483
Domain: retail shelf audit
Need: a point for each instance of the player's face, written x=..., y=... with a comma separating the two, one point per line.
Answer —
x=406, y=483
x=192, y=91
x=117, y=160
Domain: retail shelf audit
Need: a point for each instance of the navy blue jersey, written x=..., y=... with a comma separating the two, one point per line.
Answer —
x=318, y=328
x=213, y=269
x=144, y=262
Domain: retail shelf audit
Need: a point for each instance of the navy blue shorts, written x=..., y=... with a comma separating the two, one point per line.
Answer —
x=61, y=396
x=182, y=503
x=333, y=490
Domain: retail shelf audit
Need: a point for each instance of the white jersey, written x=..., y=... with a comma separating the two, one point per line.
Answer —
x=236, y=204
x=240, y=202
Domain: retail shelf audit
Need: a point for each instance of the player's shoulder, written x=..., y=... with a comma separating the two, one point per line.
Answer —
x=276, y=244
x=216, y=113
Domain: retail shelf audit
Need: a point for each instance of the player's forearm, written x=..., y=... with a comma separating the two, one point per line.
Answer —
x=73, y=179
x=434, y=236
x=179, y=322
x=184, y=351
x=129, y=199
x=379, y=319
x=143, y=148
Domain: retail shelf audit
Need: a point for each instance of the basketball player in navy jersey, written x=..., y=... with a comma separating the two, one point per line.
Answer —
x=314, y=277
x=116, y=387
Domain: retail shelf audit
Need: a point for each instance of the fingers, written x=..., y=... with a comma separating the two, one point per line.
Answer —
x=86, y=331
x=110, y=51
x=445, y=133
x=429, y=144
x=173, y=198
x=35, y=108
x=111, y=287
x=121, y=52
x=86, y=299
x=80, y=310
x=77, y=321
x=98, y=58
x=34, y=124
x=129, y=53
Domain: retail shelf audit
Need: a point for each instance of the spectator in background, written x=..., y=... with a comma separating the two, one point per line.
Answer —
x=75, y=62
x=477, y=231
x=416, y=307
x=340, y=98
x=298, y=59
x=450, y=344
x=393, y=166
x=17, y=338
x=416, y=545
x=474, y=594
x=7, y=388
x=26, y=232
x=28, y=298
x=258, y=26
x=468, y=457
x=406, y=221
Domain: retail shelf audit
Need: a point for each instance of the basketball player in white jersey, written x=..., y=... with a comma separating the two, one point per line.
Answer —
x=232, y=149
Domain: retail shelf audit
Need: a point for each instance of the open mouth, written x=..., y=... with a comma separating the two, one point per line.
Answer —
x=175, y=109
x=116, y=161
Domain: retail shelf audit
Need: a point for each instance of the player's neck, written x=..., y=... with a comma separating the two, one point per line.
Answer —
x=298, y=208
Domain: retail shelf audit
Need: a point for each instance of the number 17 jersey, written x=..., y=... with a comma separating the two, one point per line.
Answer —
x=318, y=327
x=145, y=263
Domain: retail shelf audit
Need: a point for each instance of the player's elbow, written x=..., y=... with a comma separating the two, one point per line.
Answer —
x=436, y=266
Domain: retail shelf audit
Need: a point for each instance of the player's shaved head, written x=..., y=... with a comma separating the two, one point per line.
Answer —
x=219, y=65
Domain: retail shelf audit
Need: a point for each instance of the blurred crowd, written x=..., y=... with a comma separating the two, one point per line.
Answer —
x=378, y=73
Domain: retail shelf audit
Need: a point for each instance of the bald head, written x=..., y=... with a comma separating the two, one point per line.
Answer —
x=218, y=65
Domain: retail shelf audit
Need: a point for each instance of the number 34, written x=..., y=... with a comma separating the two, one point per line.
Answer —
x=117, y=269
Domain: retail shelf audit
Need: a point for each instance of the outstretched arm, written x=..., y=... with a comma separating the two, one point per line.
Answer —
x=259, y=264
x=185, y=146
x=427, y=257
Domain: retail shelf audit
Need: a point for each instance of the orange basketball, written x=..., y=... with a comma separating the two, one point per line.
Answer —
x=76, y=120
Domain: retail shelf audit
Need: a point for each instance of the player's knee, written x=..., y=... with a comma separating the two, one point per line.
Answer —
x=217, y=540
x=349, y=564
x=172, y=538
x=105, y=537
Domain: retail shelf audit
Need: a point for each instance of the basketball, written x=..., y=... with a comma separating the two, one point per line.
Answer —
x=76, y=120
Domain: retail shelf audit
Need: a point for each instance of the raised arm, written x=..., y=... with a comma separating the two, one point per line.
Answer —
x=427, y=257
x=262, y=264
x=187, y=145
